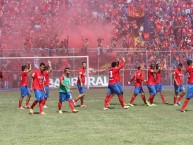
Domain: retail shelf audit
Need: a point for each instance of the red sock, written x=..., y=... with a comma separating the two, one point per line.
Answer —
x=106, y=101
x=41, y=105
x=185, y=104
x=27, y=104
x=143, y=98
x=75, y=100
x=110, y=98
x=82, y=103
x=19, y=105
x=34, y=104
x=45, y=99
x=71, y=104
x=132, y=99
x=150, y=99
x=121, y=100
x=59, y=105
x=175, y=99
x=163, y=99
x=180, y=98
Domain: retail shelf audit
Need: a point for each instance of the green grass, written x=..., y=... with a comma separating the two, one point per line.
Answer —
x=139, y=125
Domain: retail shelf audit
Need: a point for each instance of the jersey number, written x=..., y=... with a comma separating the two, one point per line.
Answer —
x=110, y=74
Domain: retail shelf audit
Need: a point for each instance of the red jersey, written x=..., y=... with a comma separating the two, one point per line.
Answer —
x=190, y=74
x=118, y=76
x=1, y=74
x=138, y=77
x=81, y=71
x=158, y=77
x=38, y=80
x=47, y=78
x=24, y=81
x=151, y=77
x=178, y=76
x=113, y=79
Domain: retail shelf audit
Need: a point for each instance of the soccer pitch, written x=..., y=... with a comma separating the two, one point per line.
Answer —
x=138, y=125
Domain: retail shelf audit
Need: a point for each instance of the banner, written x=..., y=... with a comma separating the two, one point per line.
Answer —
x=95, y=81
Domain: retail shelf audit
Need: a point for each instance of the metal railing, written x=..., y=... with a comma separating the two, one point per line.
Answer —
x=100, y=61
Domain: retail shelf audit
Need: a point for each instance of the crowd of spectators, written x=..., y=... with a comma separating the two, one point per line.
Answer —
x=164, y=24
x=152, y=25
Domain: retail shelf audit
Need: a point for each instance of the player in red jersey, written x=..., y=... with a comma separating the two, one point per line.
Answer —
x=158, y=86
x=23, y=86
x=118, y=76
x=138, y=77
x=81, y=84
x=178, y=85
x=38, y=86
x=113, y=87
x=47, y=71
x=151, y=84
x=190, y=85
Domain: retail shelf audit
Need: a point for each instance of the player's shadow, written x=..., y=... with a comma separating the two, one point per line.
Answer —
x=77, y=106
x=115, y=103
x=170, y=104
x=35, y=113
x=139, y=105
x=185, y=110
x=164, y=104
x=64, y=111
x=111, y=107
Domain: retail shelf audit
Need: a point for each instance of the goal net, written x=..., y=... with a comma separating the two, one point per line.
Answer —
x=11, y=69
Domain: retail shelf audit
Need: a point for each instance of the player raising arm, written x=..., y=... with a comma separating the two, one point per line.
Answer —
x=151, y=84
x=190, y=85
x=178, y=85
x=38, y=87
x=113, y=86
x=138, y=77
x=65, y=91
x=158, y=86
x=118, y=76
x=47, y=71
x=25, y=91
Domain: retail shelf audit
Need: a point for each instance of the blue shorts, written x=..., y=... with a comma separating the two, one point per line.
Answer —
x=159, y=87
x=114, y=89
x=65, y=96
x=108, y=90
x=81, y=89
x=47, y=88
x=138, y=90
x=24, y=91
x=120, y=87
x=39, y=94
x=189, y=94
x=179, y=88
x=152, y=90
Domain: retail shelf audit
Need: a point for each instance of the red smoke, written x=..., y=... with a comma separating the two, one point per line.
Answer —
x=47, y=18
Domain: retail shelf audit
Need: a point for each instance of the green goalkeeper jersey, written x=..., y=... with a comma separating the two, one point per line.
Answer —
x=66, y=82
